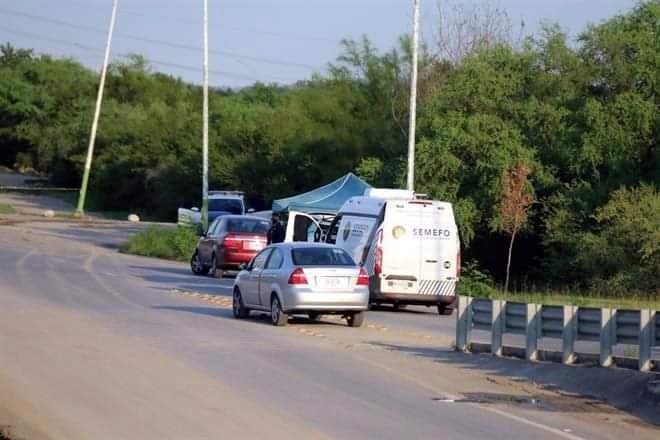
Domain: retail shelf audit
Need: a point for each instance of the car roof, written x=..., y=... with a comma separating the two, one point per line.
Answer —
x=240, y=217
x=304, y=244
x=225, y=196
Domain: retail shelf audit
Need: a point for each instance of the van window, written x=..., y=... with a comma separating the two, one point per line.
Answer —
x=304, y=229
x=321, y=256
x=372, y=234
x=333, y=230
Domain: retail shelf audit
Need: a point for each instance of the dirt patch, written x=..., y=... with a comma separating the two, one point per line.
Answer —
x=10, y=222
x=541, y=402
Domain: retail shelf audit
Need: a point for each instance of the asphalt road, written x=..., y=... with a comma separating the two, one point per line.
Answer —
x=96, y=345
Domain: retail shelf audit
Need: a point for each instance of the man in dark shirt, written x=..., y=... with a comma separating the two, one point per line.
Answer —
x=276, y=231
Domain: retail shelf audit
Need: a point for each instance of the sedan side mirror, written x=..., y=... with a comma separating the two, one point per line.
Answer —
x=243, y=266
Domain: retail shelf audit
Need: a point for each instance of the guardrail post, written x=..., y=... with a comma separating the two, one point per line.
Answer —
x=569, y=334
x=463, y=323
x=607, y=336
x=532, y=332
x=646, y=338
x=497, y=330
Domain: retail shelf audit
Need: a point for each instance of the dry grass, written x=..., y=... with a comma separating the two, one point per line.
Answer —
x=7, y=209
x=624, y=301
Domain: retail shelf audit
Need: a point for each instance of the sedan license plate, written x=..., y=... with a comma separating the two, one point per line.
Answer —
x=333, y=282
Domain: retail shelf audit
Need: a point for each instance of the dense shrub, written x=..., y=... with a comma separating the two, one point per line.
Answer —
x=169, y=243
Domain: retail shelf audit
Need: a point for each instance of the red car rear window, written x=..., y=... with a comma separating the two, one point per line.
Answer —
x=248, y=225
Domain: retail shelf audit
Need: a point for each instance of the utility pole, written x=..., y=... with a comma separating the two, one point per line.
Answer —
x=205, y=128
x=413, y=98
x=97, y=112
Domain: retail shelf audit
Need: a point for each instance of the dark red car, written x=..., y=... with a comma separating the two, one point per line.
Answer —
x=230, y=241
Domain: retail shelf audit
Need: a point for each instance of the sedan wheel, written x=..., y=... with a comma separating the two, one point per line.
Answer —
x=196, y=265
x=214, y=266
x=239, y=309
x=355, y=319
x=277, y=316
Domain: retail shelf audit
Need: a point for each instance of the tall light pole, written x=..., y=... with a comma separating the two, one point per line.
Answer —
x=205, y=127
x=99, y=99
x=413, y=98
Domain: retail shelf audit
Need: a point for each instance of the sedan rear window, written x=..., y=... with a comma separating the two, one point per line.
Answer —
x=248, y=225
x=321, y=256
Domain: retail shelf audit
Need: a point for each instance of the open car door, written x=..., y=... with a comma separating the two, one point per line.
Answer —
x=303, y=227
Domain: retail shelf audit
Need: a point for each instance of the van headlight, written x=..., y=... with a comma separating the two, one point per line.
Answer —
x=398, y=232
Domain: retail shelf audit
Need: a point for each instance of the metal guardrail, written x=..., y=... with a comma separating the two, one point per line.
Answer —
x=588, y=324
x=568, y=323
x=481, y=314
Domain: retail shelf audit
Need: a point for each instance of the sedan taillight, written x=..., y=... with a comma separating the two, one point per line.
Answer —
x=232, y=242
x=363, y=278
x=298, y=277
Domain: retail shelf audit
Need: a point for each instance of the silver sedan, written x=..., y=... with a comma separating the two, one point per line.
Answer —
x=302, y=278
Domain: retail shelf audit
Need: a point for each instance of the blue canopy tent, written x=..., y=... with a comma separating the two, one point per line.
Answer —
x=326, y=199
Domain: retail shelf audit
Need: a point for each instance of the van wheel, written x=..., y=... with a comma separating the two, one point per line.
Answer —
x=277, y=317
x=355, y=319
x=444, y=309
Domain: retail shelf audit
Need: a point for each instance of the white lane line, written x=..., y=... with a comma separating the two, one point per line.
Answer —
x=555, y=431
x=452, y=397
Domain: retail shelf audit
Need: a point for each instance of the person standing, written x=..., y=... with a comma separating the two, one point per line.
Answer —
x=276, y=231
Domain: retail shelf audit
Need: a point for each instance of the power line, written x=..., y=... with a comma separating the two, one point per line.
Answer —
x=133, y=12
x=221, y=73
x=157, y=42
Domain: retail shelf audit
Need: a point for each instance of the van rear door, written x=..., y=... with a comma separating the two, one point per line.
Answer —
x=438, y=236
x=420, y=245
x=401, y=248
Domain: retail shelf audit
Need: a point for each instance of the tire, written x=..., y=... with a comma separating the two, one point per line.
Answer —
x=355, y=319
x=214, y=266
x=238, y=308
x=444, y=309
x=196, y=265
x=277, y=317
x=314, y=317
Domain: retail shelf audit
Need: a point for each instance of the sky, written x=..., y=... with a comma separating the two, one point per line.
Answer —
x=279, y=41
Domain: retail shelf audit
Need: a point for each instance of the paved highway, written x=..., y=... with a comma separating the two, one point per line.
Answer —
x=99, y=345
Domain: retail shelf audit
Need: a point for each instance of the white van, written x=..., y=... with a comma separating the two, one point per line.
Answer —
x=409, y=247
